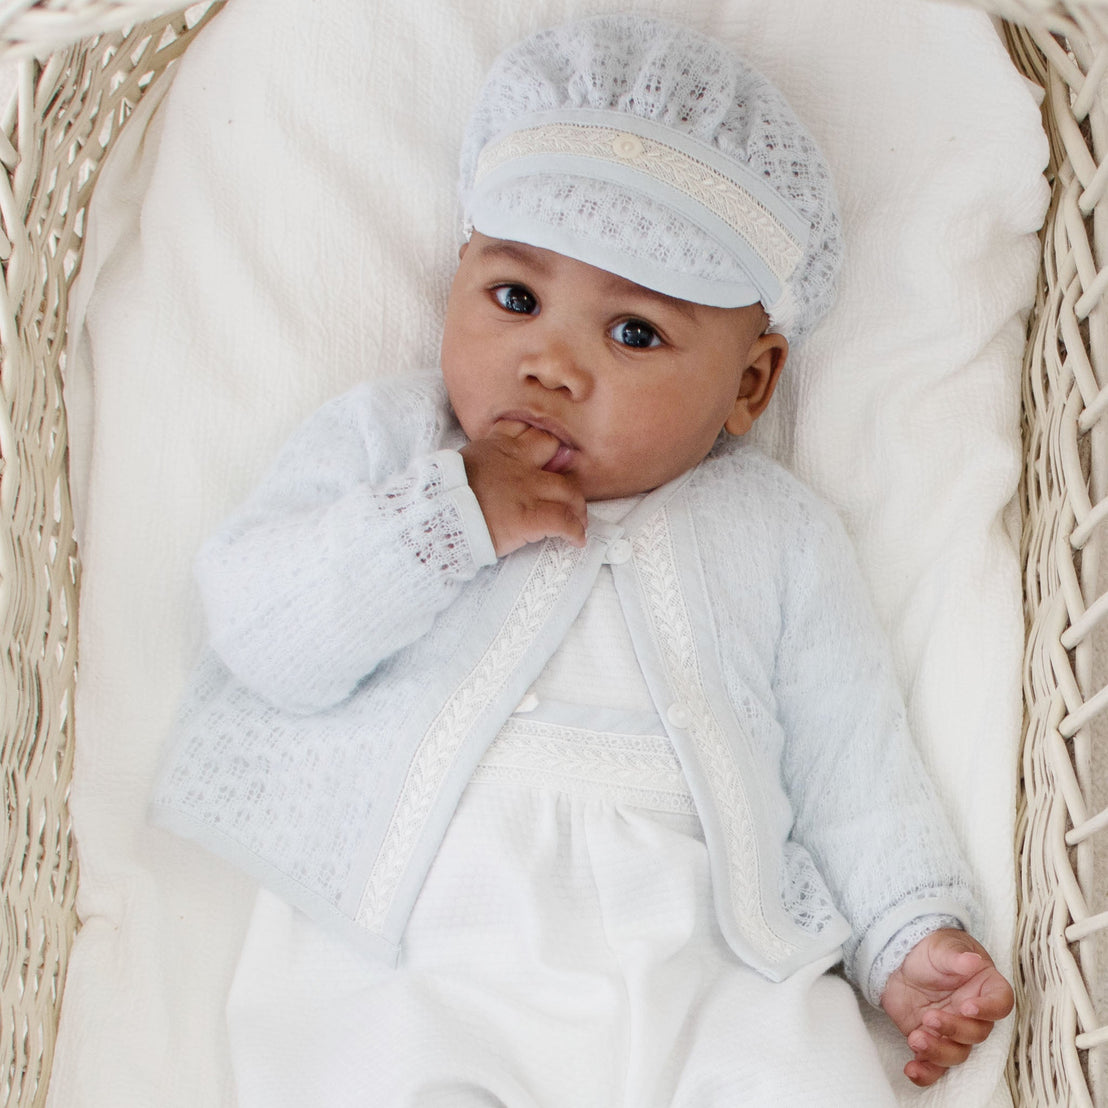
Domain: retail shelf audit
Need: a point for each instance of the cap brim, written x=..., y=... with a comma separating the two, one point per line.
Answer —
x=486, y=217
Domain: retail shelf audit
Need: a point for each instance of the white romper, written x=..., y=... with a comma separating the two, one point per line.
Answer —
x=564, y=951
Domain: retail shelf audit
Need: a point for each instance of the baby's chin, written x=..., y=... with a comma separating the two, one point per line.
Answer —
x=611, y=489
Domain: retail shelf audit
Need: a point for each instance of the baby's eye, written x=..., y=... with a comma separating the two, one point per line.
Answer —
x=516, y=298
x=635, y=333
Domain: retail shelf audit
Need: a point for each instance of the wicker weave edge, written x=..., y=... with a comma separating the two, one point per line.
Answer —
x=39, y=28
x=1053, y=1061
x=71, y=108
x=1046, y=1066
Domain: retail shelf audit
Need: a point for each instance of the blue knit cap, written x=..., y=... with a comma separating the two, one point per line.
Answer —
x=649, y=150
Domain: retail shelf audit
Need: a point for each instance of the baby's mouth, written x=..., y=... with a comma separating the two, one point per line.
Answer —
x=561, y=460
x=566, y=451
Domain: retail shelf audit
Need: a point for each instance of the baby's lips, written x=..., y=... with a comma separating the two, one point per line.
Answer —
x=561, y=460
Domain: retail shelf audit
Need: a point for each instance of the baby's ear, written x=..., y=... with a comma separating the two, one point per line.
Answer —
x=758, y=381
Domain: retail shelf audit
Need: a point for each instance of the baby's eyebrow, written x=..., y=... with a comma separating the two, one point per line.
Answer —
x=514, y=252
x=630, y=288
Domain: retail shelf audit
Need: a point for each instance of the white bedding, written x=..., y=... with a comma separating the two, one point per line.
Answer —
x=286, y=225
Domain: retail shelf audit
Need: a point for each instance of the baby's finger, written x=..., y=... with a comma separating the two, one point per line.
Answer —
x=562, y=488
x=508, y=428
x=993, y=1001
x=962, y=1029
x=937, y=1050
x=954, y=956
x=531, y=444
x=923, y=1073
x=547, y=519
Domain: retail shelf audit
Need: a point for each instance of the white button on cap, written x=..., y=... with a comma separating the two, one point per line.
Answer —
x=619, y=552
x=679, y=715
x=627, y=147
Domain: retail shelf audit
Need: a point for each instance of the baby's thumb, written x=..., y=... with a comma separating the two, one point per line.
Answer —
x=957, y=955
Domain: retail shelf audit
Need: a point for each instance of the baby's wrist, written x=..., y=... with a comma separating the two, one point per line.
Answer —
x=468, y=523
x=898, y=948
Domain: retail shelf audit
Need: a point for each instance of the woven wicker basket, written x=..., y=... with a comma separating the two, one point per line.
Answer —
x=71, y=103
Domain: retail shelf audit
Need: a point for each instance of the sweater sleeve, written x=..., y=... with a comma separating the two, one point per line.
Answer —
x=864, y=805
x=360, y=534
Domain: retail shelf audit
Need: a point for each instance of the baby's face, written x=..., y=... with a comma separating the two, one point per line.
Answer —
x=636, y=385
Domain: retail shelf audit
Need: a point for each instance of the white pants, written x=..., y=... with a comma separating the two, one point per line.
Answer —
x=564, y=953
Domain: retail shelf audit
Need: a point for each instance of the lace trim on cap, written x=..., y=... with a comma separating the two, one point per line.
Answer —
x=631, y=149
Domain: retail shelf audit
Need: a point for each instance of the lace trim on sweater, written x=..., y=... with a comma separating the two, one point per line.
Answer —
x=672, y=631
x=448, y=730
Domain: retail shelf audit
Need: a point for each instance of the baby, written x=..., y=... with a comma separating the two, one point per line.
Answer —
x=555, y=712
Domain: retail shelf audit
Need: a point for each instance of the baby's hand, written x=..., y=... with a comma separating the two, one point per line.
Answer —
x=945, y=998
x=523, y=503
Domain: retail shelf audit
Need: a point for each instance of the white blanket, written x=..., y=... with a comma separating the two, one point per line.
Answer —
x=285, y=225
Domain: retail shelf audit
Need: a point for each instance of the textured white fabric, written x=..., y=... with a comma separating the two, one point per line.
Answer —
x=562, y=952
x=298, y=230
x=595, y=664
x=671, y=224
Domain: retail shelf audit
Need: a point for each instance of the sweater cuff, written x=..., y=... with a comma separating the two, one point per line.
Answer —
x=456, y=487
x=863, y=965
x=898, y=948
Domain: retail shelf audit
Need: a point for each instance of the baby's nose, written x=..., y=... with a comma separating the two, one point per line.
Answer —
x=558, y=365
